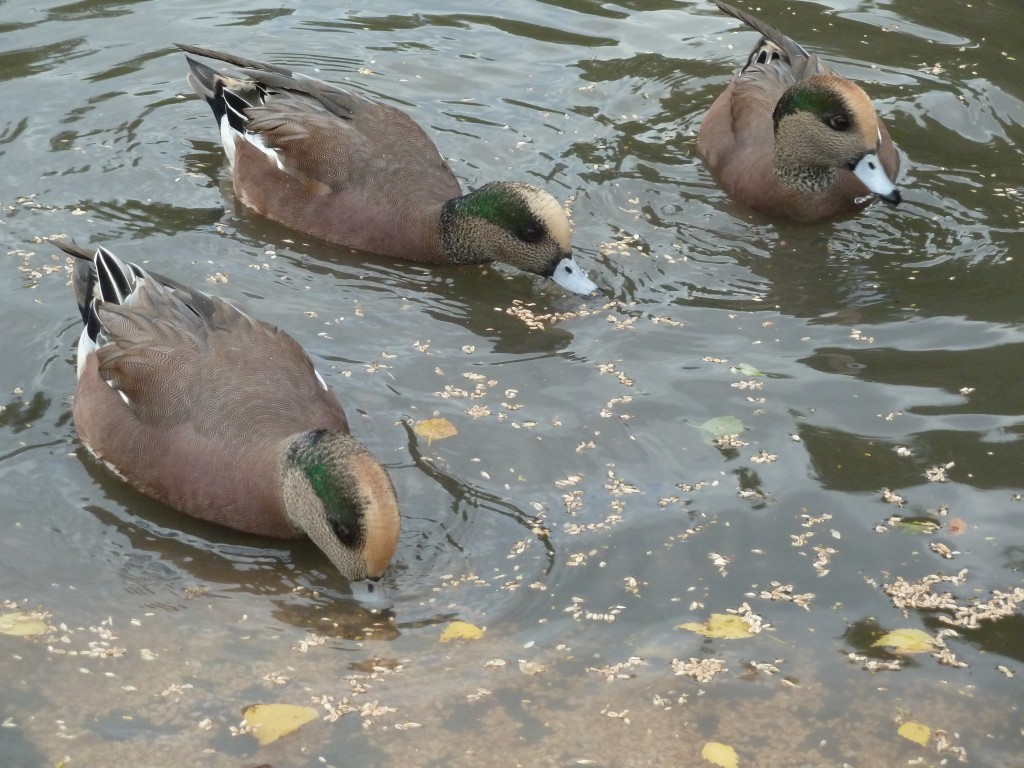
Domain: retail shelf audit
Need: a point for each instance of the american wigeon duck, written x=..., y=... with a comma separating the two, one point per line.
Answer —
x=329, y=162
x=789, y=137
x=224, y=417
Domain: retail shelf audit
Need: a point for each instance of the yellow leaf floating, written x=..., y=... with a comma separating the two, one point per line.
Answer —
x=22, y=624
x=720, y=625
x=720, y=754
x=461, y=630
x=272, y=721
x=907, y=641
x=915, y=732
x=435, y=429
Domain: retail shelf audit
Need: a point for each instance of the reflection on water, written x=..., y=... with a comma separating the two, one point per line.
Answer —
x=580, y=515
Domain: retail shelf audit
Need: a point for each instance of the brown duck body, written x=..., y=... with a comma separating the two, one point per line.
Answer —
x=369, y=222
x=332, y=163
x=223, y=417
x=345, y=168
x=767, y=142
x=188, y=437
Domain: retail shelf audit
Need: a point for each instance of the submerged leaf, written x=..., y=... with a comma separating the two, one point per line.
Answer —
x=907, y=641
x=461, y=630
x=532, y=667
x=22, y=624
x=272, y=721
x=717, y=753
x=720, y=625
x=915, y=732
x=435, y=429
x=747, y=369
x=722, y=426
x=921, y=524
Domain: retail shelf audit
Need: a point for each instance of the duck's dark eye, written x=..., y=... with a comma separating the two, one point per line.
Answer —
x=531, y=234
x=837, y=122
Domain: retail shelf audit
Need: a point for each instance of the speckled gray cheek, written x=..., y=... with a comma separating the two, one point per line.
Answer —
x=345, y=518
x=331, y=485
x=806, y=178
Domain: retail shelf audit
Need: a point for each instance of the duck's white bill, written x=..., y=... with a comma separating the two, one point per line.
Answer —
x=569, y=275
x=870, y=171
x=371, y=594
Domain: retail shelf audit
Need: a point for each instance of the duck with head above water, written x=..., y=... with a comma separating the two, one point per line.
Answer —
x=332, y=163
x=790, y=138
x=224, y=417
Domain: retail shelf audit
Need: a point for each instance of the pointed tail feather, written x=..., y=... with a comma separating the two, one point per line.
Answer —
x=792, y=48
x=99, y=276
x=230, y=58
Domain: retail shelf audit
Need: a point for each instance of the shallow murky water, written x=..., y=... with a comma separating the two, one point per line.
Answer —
x=581, y=514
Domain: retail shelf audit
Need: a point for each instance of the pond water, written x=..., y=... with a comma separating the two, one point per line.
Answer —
x=582, y=513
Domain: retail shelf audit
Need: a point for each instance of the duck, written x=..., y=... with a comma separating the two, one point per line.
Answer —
x=332, y=163
x=790, y=138
x=224, y=417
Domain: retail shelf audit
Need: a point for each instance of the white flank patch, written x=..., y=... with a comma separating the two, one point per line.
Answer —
x=228, y=135
x=86, y=347
x=257, y=141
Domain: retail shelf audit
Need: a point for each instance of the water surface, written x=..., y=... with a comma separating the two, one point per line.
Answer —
x=580, y=515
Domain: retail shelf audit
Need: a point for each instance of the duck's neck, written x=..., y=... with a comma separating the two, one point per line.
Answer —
x=461, y=239
x=796, y=162
x=801, y=176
